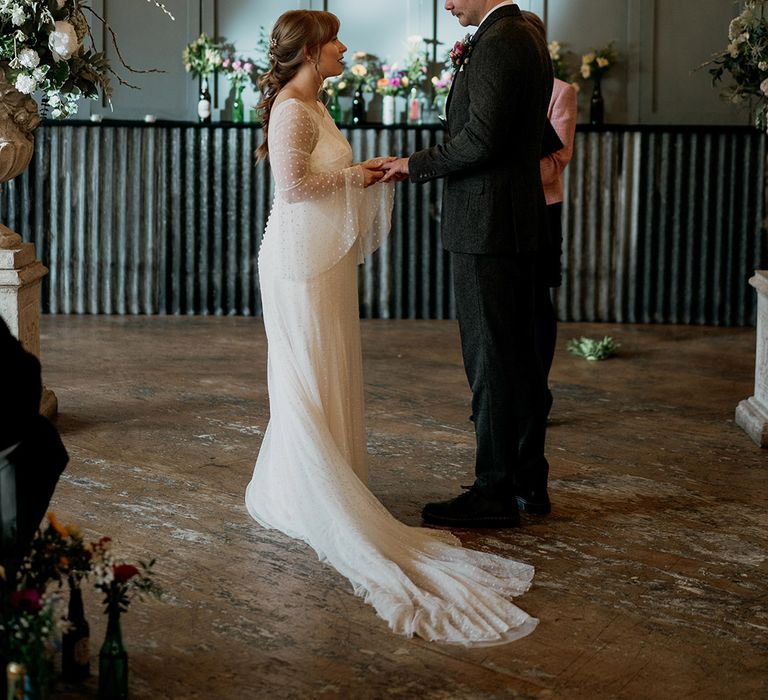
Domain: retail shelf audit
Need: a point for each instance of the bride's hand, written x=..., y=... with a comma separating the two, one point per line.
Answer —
x=370, y=175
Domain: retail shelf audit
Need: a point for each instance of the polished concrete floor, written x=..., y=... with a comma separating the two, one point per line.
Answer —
x=651, y=570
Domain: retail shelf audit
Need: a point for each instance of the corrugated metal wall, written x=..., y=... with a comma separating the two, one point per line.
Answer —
x=661, y=225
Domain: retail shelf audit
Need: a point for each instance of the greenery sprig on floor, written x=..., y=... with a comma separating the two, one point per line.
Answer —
x=591, y=349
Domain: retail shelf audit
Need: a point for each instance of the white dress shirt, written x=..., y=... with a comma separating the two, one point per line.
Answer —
x=501, y=4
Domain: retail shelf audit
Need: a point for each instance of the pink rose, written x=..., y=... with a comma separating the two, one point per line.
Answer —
x=248, y=67
x=225, y=63
x=395, y=82
x=237, y=65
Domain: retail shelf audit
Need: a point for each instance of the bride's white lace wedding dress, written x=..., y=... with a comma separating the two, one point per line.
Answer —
x=310, y=479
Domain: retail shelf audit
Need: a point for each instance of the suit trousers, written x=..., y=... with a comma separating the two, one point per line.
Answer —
x=495, y=303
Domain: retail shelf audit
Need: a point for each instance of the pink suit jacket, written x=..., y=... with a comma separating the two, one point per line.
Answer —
x=562, y=115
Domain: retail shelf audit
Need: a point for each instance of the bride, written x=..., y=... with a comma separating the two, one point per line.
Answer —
x=310, y=479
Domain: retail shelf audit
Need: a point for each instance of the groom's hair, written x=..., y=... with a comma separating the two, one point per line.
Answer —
x=536, y=21
x=296, y=34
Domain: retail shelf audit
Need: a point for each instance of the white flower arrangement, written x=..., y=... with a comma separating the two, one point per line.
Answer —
x=745, y=59
x=43, y=52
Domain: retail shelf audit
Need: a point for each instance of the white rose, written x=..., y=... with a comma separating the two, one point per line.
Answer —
x=25, y=84
x=764, y=87
x=39, y=73
x=29, y=58
x=63, y=41
x=18, y=16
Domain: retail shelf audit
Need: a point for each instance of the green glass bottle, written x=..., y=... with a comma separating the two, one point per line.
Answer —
x=334, y=108
x=113, y=661
x=238, y=112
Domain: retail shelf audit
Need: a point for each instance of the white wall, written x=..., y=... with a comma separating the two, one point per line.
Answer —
x=661, y=42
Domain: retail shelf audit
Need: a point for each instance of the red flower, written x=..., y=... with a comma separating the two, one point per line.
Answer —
x=124, y=572
x=28, y=601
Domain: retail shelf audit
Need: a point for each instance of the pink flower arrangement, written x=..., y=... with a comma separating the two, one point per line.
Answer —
x=238, y=70
x=394, y=82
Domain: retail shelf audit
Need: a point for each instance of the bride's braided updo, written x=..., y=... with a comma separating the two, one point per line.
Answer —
x=296, y=33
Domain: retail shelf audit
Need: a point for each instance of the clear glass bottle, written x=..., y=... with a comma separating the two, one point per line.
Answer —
x=204, y=103
x=414, y=107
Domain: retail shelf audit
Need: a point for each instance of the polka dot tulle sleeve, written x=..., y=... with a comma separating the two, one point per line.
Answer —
x=321, y=209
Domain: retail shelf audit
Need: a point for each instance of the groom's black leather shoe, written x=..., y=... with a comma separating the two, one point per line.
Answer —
x=471, y=509
x=534, y=501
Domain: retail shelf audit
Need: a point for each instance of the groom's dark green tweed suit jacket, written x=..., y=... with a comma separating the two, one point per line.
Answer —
x=493, y=199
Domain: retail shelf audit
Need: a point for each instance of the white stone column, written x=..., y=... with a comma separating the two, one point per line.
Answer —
x=752, y=413
x=20, y=276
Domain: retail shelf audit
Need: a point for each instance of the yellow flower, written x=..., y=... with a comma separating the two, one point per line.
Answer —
x=603, y=62
x=56, y=525
x=586, y=71
x=588, y=58
x=405, y=82
x=359, y=70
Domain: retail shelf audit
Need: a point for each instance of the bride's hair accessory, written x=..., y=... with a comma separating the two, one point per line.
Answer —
x=271, y=52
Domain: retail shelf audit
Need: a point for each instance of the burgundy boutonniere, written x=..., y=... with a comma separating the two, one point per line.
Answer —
x=460, y=53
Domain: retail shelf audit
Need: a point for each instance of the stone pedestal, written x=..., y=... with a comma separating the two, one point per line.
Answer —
x=20, y=275
x=752, y=413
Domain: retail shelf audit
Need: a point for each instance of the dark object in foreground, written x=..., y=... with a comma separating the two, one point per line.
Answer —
x=471, y=509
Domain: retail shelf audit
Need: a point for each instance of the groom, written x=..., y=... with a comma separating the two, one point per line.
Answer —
x=493, y=223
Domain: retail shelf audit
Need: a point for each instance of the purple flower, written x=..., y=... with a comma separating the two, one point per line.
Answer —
x=395, y=82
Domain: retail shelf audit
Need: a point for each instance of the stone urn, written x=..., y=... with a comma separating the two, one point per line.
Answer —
x=20, y=271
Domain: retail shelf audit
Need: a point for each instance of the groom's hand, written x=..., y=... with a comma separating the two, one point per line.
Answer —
x=395, y=170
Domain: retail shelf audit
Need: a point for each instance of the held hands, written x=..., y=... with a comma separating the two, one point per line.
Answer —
x=395, y=170
x=372, y=172
x=387, y=169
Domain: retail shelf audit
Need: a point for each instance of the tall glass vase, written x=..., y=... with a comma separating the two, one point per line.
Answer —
x=388, y=110
x=238, y=112
x=113, y=661
x=597, y=105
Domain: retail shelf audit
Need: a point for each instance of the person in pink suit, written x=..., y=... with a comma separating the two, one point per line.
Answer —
x=562, y=116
